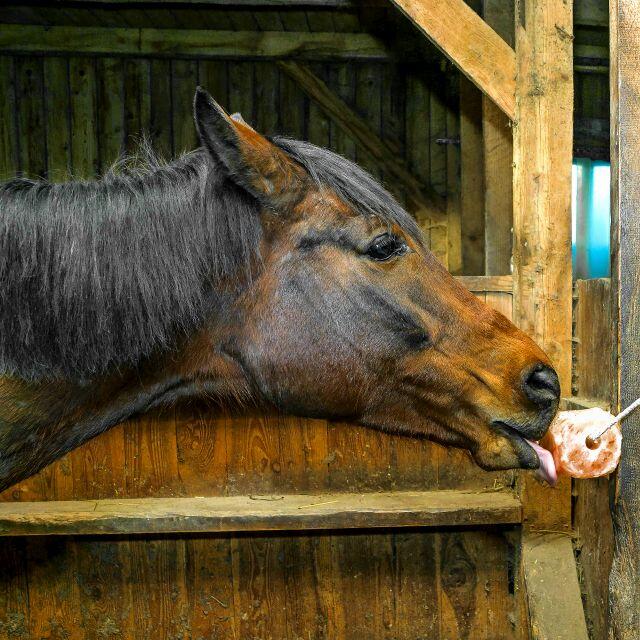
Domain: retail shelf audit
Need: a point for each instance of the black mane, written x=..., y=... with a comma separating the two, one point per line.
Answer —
x=98, y=275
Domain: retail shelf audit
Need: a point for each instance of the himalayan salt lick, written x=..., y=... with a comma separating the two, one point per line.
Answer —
x=575, y=449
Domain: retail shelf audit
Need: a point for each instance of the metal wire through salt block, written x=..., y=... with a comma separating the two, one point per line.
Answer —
x=592, y=440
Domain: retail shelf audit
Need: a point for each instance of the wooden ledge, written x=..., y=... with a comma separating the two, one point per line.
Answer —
x=260, y=513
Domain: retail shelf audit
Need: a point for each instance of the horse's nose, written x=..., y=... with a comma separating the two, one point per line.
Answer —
x=541, y=385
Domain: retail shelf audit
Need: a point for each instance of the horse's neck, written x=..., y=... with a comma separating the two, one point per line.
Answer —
x=39, y=422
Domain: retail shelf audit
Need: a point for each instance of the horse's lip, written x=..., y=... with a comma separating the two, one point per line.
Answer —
x=527, y=455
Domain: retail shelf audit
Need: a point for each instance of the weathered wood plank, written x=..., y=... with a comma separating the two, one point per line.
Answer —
x=553, y=592
x=624, y=589
x=542, y=211
x=84, y=134
x=498, y=157
x=494, y=284
x=453, y=188
x=471, y=178
x=31, y=116
x=56, y=96
x=260, y=513
x=420, y=196
x=184, y=42
x=439, y=156
x=111, y=114
x=14, y=591
x=160, y=122
x=9, y=138
x=480, y=53
x=254, y=3
x=184, y=79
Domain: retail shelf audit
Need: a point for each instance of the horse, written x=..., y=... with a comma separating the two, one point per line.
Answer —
x=252, y=270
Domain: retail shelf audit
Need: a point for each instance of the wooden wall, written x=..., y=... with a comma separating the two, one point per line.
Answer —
x=76, y=115
x=592, y=384
x=73, y=115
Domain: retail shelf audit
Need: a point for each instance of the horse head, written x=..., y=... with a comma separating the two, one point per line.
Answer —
x=287, y=276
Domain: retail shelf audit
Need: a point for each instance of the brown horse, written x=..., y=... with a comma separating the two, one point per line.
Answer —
x=250, y=270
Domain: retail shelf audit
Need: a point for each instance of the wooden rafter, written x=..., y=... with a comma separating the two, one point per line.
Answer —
x=189, y=42
x=463, y=36
x=424, y=201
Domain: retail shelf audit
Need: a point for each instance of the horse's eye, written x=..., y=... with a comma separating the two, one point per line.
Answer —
x=385, y=247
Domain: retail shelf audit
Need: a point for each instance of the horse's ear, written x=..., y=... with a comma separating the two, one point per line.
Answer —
x=250, y=159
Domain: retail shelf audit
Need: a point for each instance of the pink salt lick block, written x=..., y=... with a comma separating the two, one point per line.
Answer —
x=571, y=446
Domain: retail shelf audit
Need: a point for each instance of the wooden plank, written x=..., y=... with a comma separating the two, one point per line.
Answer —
x=624, y=589
x=368, y=104
x=421, y=198
x=595, y=545
x=471, y=178
x=498, y=157
x=9, y=162
x=14, y=591
x=479, y=284
x=339, y=4
x=84, y=143
x=453, y=188
x=478, y=51
x=474, y=586
x=439, y=160
x=56, y=96
x=553, y=592
x=31, y=116
x=184, y=79
x=184, y=42
x=111, y=114
x=418, y=143
x=259, y=586
x=542, y=212
x=259, y=513
x=160, y=122
x=593, y=339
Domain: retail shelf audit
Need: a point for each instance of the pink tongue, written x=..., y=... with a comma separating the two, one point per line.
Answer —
x=547, y=469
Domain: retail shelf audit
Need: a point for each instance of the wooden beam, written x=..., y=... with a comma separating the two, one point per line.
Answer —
x=553, y=591
x=542, y=211
x=259, y=513
x=334, y=4
x=204, y=43
x=479, y=52
x=424, y=201
x=624, y=583
x=486, y=284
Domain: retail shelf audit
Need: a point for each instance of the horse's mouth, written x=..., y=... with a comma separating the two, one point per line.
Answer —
x=530, y=454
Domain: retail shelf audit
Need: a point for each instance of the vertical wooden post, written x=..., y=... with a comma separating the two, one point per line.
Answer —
x=624, y=584
x=542, y=153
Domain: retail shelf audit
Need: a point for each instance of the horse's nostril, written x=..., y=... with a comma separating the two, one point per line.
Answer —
x=541, y=385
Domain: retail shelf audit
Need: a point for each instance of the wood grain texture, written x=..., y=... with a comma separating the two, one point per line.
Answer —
x=9, y=139
x=625, y=168
x=234, y=585
x=423, y=200
x=471, y=179
x=201, y=42
x=553, y=592
x=259, y=513
x=542, y=211
x=478, y=51
x=498, y=157
x=31, y=116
